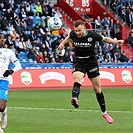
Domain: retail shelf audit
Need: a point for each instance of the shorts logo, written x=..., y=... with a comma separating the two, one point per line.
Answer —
x=93, y=69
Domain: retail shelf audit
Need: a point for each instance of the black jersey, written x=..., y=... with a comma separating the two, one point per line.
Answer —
x=85, y=45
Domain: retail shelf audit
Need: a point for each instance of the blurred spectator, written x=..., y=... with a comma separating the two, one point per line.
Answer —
x=25, y=35
x=9, y=15
x=28, y=45
x=117, y=30
x=57, y=13
x=50, y=7
x=123, y=57
x=22, y=45
x=22, y=14
x=53, y=60
x=30, y=23
x=4, y=24
x=45, y=9
x=14, y=50
x=39, y=9
x=28, y=9
x=9, y=41
x=116, y=56
x=32, y=36
x=32, y=54
x=19, y=29
x=101, y=58
x=98, y=22
x=130, y=40
x=40, y=58
x=43, y=48
x=23, y=24
x=33, y=9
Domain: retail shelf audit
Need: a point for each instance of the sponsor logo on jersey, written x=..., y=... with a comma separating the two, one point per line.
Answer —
x=89, y=39
x=77, y=44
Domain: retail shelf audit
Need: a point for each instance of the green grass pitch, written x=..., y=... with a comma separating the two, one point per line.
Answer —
x=50, y=111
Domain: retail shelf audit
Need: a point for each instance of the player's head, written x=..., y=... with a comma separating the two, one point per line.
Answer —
x=2, y=40
x=79, y=28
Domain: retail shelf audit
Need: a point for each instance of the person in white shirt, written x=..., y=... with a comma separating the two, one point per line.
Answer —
x=6, y=56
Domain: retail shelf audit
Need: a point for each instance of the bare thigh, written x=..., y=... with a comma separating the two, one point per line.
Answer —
x=96, y=84
x=78, y=76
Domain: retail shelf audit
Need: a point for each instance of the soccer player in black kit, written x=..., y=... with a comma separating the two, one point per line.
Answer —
x=85, y=62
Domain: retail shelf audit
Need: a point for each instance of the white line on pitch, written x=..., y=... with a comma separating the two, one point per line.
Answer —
x=60, y=109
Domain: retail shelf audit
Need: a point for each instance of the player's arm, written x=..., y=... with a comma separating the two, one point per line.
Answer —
x=66, y=40
x=17, y=66
x=113, y=41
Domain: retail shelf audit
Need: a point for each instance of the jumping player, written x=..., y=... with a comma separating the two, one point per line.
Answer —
x=85, y=62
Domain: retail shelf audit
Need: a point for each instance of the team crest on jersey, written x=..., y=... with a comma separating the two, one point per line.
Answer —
x=89, y=39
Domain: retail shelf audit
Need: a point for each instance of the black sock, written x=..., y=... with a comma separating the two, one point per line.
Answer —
x=101, y=101
x=76, y=90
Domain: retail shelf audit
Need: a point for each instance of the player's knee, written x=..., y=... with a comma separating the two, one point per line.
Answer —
x=97, y=90
x=2, y=108
x=78, y=80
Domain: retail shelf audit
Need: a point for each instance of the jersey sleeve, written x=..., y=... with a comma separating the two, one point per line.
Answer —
x=15, y=61
x=13, y=57
x=98, y=37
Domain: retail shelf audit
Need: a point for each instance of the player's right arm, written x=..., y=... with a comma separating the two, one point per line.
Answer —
x=66, y=40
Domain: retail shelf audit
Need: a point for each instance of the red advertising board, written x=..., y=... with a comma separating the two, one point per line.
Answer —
x=85, y=6
x=62, y=78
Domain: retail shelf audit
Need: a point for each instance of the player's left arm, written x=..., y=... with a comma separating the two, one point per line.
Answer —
x=113, y=41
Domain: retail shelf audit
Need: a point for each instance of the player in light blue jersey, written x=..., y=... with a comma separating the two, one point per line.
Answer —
x=6, y=56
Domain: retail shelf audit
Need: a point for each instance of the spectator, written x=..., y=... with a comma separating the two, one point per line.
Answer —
x=130, y=40
x=33, y=9
x=9, y=15
x=32, y=54
x=40, y=58
x=45, y=9
x=28, y=45
x=39, y=8
x=123, y=57
x=101, y=58
x=32, y=36
x=23, y=24
x=22, y=14
x=22, y=45
x=4, y=24
x=117, y=30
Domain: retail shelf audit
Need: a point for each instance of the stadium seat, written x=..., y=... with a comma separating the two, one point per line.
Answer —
x=30, y=60
x=24, y=60
x=22, y=55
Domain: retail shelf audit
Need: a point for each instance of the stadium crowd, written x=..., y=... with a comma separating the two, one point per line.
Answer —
x=24, y=25
x=124, y=9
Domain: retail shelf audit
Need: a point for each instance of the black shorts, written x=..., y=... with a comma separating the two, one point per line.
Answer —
x=89, y=66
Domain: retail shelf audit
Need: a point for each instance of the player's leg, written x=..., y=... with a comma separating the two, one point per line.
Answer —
x=3, y=110
x=3, y=99
x=78, y=77
x=100, y=98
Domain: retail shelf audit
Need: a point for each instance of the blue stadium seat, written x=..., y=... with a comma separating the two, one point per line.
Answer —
x=22, y=55
x=30, y=60
x=24, y=60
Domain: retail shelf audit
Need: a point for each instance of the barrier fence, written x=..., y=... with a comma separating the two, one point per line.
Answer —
x=62, y=78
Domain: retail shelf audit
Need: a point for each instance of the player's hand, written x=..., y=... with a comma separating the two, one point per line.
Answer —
x=120, y=42
x=60, y=47
x=7, y=73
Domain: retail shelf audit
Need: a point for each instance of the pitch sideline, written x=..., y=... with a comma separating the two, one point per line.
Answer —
x=62, y=109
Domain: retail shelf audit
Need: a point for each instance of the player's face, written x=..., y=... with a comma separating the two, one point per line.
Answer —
x=80, y=31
